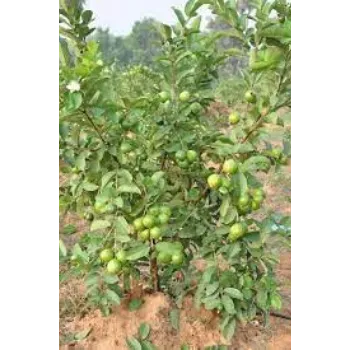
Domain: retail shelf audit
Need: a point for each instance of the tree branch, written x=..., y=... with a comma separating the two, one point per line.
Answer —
x=99, y=133
x=261, y=119
x=94, y=126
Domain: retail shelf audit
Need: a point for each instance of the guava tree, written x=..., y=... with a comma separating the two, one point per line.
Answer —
x=159, y=183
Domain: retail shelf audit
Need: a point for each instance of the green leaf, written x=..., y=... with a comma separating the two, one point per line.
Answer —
x=179, y=16
x=110, y=279
x=165, y=31
x=132, y=188
x=226, y=278
x=64, y=53
x=113, y=296
x=137, y=252
x=63, y=249
x=261, y=299
x=174, y=316
x=196, y=23
x=198, y=295
x=231, y=215
x=212, y=288
x=243, y=184
x=80, y=162
x=88, y=186
x=229, y=330
x=276, y=301
x=224, y=322
x=122, y=228
x=92, y=279
x=224, y=230
x=225, y=205
x=69, y=229
x=82, y=335
x=192, y=6
x=169, y=247
x=228, y=304
x=182, y=56
x=242, y=148
x=157, y=176
x=234, y=293
x=146, y=345
x=124, y=176
x=106, y=178
x=119, y=202
x=99, y=225
x=74, y=101
x=86, y=16
x=223, y=149
x=133, y=344
x=135, y=304
x=144, y=331
x=234, y=250
x=251, y=312
x=77, y=251
x=184, y=75
x=247, y=293
x=208, y=274
x=256, y=163
x=211, y=304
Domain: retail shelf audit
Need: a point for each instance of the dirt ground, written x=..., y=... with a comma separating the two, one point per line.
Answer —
x=197, y=328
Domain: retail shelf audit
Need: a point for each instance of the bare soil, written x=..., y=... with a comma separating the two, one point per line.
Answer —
x=198, y=328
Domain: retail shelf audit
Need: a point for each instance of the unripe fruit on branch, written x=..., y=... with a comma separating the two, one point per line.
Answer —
x=138, y=224
x=243, y=200
x=177, y=259
x=255, y=205
x=148, y=221
x=114, y=266
x=164, y=96
x=164, y=258
x=214, y=181
x=237, y=231
x=258, y=192
x=180, y=155
x=184, y=96
x=144, y=235
x=154, y=211
x=106, y=255
x=155, y=232
x=163, y=219
x=234, y=118
x=230, y=166
x=183, y=164
x=250, y=97
x=191, y=155
x=276, y=153
x=121, y=256
x=165, y=210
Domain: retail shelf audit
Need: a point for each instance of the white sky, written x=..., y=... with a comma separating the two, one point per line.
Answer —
x=120, y=15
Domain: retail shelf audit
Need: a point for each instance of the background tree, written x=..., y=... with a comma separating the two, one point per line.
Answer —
x=141, y=46
x=218, y=24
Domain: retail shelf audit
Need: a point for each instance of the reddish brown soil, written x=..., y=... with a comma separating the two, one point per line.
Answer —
x=198, y=328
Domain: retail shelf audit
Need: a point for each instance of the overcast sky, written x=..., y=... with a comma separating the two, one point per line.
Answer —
x=120, y=15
